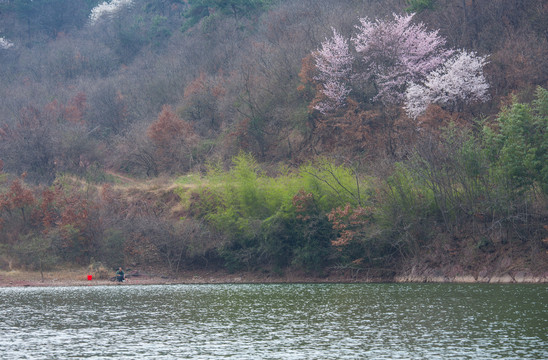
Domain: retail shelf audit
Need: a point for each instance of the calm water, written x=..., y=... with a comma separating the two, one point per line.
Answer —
x=319, y=321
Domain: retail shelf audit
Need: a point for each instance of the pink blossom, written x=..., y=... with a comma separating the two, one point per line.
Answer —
x=397, y=53
x=405, y=62
x=334, y=64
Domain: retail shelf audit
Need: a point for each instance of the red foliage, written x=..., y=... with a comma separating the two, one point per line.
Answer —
x=46, y=214
x=168, y=127
x=305, y=205
x=173, y=138
x=17, y=198
x=20, y=197
x=349, y=222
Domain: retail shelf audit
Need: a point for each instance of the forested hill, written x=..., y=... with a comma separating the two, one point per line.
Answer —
x=406, y=134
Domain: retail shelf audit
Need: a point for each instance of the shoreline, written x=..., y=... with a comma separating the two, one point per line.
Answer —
x=62, y=279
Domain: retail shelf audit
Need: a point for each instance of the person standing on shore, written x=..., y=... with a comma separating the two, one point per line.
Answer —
x=120, y=276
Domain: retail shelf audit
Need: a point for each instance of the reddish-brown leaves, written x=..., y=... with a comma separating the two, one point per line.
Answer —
x=168, y=127
x=349, y=222
x=304, y=205
x=173, y=139
x=19, y=197
x=46, y=213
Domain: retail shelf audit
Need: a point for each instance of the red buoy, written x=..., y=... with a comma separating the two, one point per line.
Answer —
x=90, y=277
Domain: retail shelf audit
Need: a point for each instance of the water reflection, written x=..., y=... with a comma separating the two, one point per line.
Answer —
x=298, y=321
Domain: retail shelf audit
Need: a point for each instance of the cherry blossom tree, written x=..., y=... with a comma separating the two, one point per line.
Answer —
x=459, y=81
x=404, y=62
x=397, y=53
x=107, y=9
x=334, y=64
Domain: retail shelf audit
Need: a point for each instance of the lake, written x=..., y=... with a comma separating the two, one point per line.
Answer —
x=276, y=321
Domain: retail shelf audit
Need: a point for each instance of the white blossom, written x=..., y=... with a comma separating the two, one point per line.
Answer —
x=417, y=100
x=4, y=43
x=107, y=9
x=458, y=81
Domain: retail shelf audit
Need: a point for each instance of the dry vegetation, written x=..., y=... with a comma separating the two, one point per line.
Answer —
x=100, y=117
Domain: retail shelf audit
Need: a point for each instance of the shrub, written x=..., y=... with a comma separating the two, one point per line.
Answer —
x=519, y=147
x=280, y=220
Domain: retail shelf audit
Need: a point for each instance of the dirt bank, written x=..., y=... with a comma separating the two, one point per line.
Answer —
x=79, y=277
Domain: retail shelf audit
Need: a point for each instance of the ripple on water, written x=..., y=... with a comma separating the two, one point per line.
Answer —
x=290, y=321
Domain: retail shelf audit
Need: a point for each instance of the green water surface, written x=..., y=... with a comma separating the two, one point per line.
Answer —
x=276, y=321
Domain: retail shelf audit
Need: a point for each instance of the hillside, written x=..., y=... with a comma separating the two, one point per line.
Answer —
x=393, y=138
